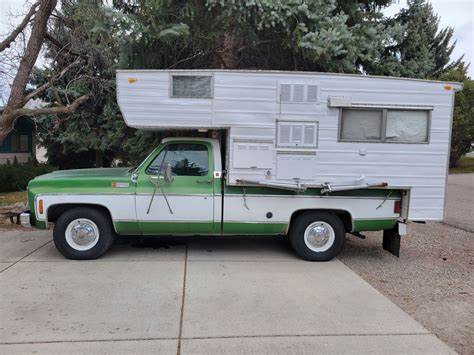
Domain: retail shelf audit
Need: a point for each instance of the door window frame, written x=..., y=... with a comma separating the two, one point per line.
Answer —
x=151, y=158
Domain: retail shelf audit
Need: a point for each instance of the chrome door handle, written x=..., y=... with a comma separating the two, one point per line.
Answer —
x=204, y=181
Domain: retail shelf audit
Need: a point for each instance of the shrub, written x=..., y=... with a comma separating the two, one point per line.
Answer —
x=15, y=177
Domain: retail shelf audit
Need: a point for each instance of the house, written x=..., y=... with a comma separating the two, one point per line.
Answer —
x=19, y=143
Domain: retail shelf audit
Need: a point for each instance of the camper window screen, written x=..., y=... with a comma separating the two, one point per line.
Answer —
x=361, y=125
x=191, y=86
x=407, y=126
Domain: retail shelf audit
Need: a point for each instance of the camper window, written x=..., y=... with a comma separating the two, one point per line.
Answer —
x=191, y=86
x=407, y=126
x=361, y=125
x=384, y=125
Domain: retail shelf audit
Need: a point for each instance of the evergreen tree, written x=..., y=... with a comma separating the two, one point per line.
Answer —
x=418, y=48
x=94, y=135
x=463, y=121
x=322, y=35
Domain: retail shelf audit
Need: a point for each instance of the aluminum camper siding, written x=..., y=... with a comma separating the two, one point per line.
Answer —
x=248, y=103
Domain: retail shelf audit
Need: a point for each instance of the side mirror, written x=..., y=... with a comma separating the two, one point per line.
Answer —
x=167, y=174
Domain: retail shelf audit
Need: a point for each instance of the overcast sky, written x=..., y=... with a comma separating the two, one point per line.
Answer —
x=455, y=13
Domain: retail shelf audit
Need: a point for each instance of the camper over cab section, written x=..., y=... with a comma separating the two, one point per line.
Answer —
x=309, y=155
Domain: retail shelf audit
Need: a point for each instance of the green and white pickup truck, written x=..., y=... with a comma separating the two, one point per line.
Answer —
x=180, y=189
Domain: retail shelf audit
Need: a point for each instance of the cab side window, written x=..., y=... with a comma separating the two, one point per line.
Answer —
x=186, y=159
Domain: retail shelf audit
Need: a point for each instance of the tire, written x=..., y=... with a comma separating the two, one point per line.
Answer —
x=317, y=236
x=83, y=233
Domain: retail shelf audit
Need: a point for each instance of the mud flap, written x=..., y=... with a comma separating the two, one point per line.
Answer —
x=391, y=240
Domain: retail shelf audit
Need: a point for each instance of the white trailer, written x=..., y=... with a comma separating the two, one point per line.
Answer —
x=308, y=129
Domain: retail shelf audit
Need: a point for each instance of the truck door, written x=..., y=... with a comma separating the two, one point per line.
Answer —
x=184, y=205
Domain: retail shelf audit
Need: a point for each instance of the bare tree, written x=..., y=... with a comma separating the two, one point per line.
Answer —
x=39, y=15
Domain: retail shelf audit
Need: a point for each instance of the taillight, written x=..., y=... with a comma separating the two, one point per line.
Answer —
x=40, y=207
x=397, y=207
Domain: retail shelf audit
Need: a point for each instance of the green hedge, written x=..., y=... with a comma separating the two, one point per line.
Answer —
x=15, y=177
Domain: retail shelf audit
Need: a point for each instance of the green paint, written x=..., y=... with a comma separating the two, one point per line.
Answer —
x=197, y=228
x=254, y=228
x=82, y=181
x=373, y=224
x=168, y=228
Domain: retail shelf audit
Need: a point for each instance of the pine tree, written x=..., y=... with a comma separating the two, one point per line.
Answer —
x=418, y=48
x=463, y=121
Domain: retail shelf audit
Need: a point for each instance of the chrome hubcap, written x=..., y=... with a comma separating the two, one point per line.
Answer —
x=319, y=236
x=82, y=234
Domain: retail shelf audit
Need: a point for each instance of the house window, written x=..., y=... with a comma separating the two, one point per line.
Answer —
x=191, y=86
x=384, y=125
x=297, y=134
x=20, y=143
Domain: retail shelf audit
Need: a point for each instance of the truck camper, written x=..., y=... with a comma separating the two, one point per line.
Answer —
x=311, y=156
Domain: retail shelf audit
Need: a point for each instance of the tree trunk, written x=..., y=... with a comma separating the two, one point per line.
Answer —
x=230, y=51
x=99, y=159
x=17, y=94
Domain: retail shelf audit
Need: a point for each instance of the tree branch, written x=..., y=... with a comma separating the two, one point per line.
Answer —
x=38, y=30
x=186, y=59
x=59, y=45
x=8, y=119
x=43, y=87
x=7, y=41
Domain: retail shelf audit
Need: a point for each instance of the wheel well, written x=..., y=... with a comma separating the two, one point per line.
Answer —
x=55, y=211
x=343, y=215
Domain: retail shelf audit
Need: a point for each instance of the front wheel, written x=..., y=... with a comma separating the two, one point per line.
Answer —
x=83, y=233
x=317, y=236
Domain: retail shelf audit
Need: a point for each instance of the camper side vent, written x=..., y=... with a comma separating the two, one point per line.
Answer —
x=302, y=134
x=285, y=92
x=312, y=93
x=298, y=93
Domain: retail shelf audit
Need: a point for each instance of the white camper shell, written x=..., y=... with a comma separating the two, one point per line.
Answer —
x=304, y=129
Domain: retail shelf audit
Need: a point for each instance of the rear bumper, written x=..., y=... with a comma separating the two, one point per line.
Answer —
x=25, y=219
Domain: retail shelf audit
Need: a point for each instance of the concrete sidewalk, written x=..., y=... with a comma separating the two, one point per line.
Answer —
x=193, y=295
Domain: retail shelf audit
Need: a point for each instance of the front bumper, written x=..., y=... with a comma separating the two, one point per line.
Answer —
x=25, y=219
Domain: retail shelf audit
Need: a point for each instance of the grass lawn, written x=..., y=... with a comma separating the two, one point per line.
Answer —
x=466, y=165
x=8, y=198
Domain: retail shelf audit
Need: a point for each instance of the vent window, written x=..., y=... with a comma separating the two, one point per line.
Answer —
x=298, y=93
x=191, y=86
x=297, y=134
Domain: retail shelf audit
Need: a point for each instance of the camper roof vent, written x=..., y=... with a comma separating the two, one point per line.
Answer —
x=298, y=92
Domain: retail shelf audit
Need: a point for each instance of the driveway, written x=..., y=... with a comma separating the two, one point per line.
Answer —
x=193, y=295
x=460, y=202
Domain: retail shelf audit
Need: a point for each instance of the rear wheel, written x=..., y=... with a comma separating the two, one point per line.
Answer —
x=317, y=236
x=83, y=233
